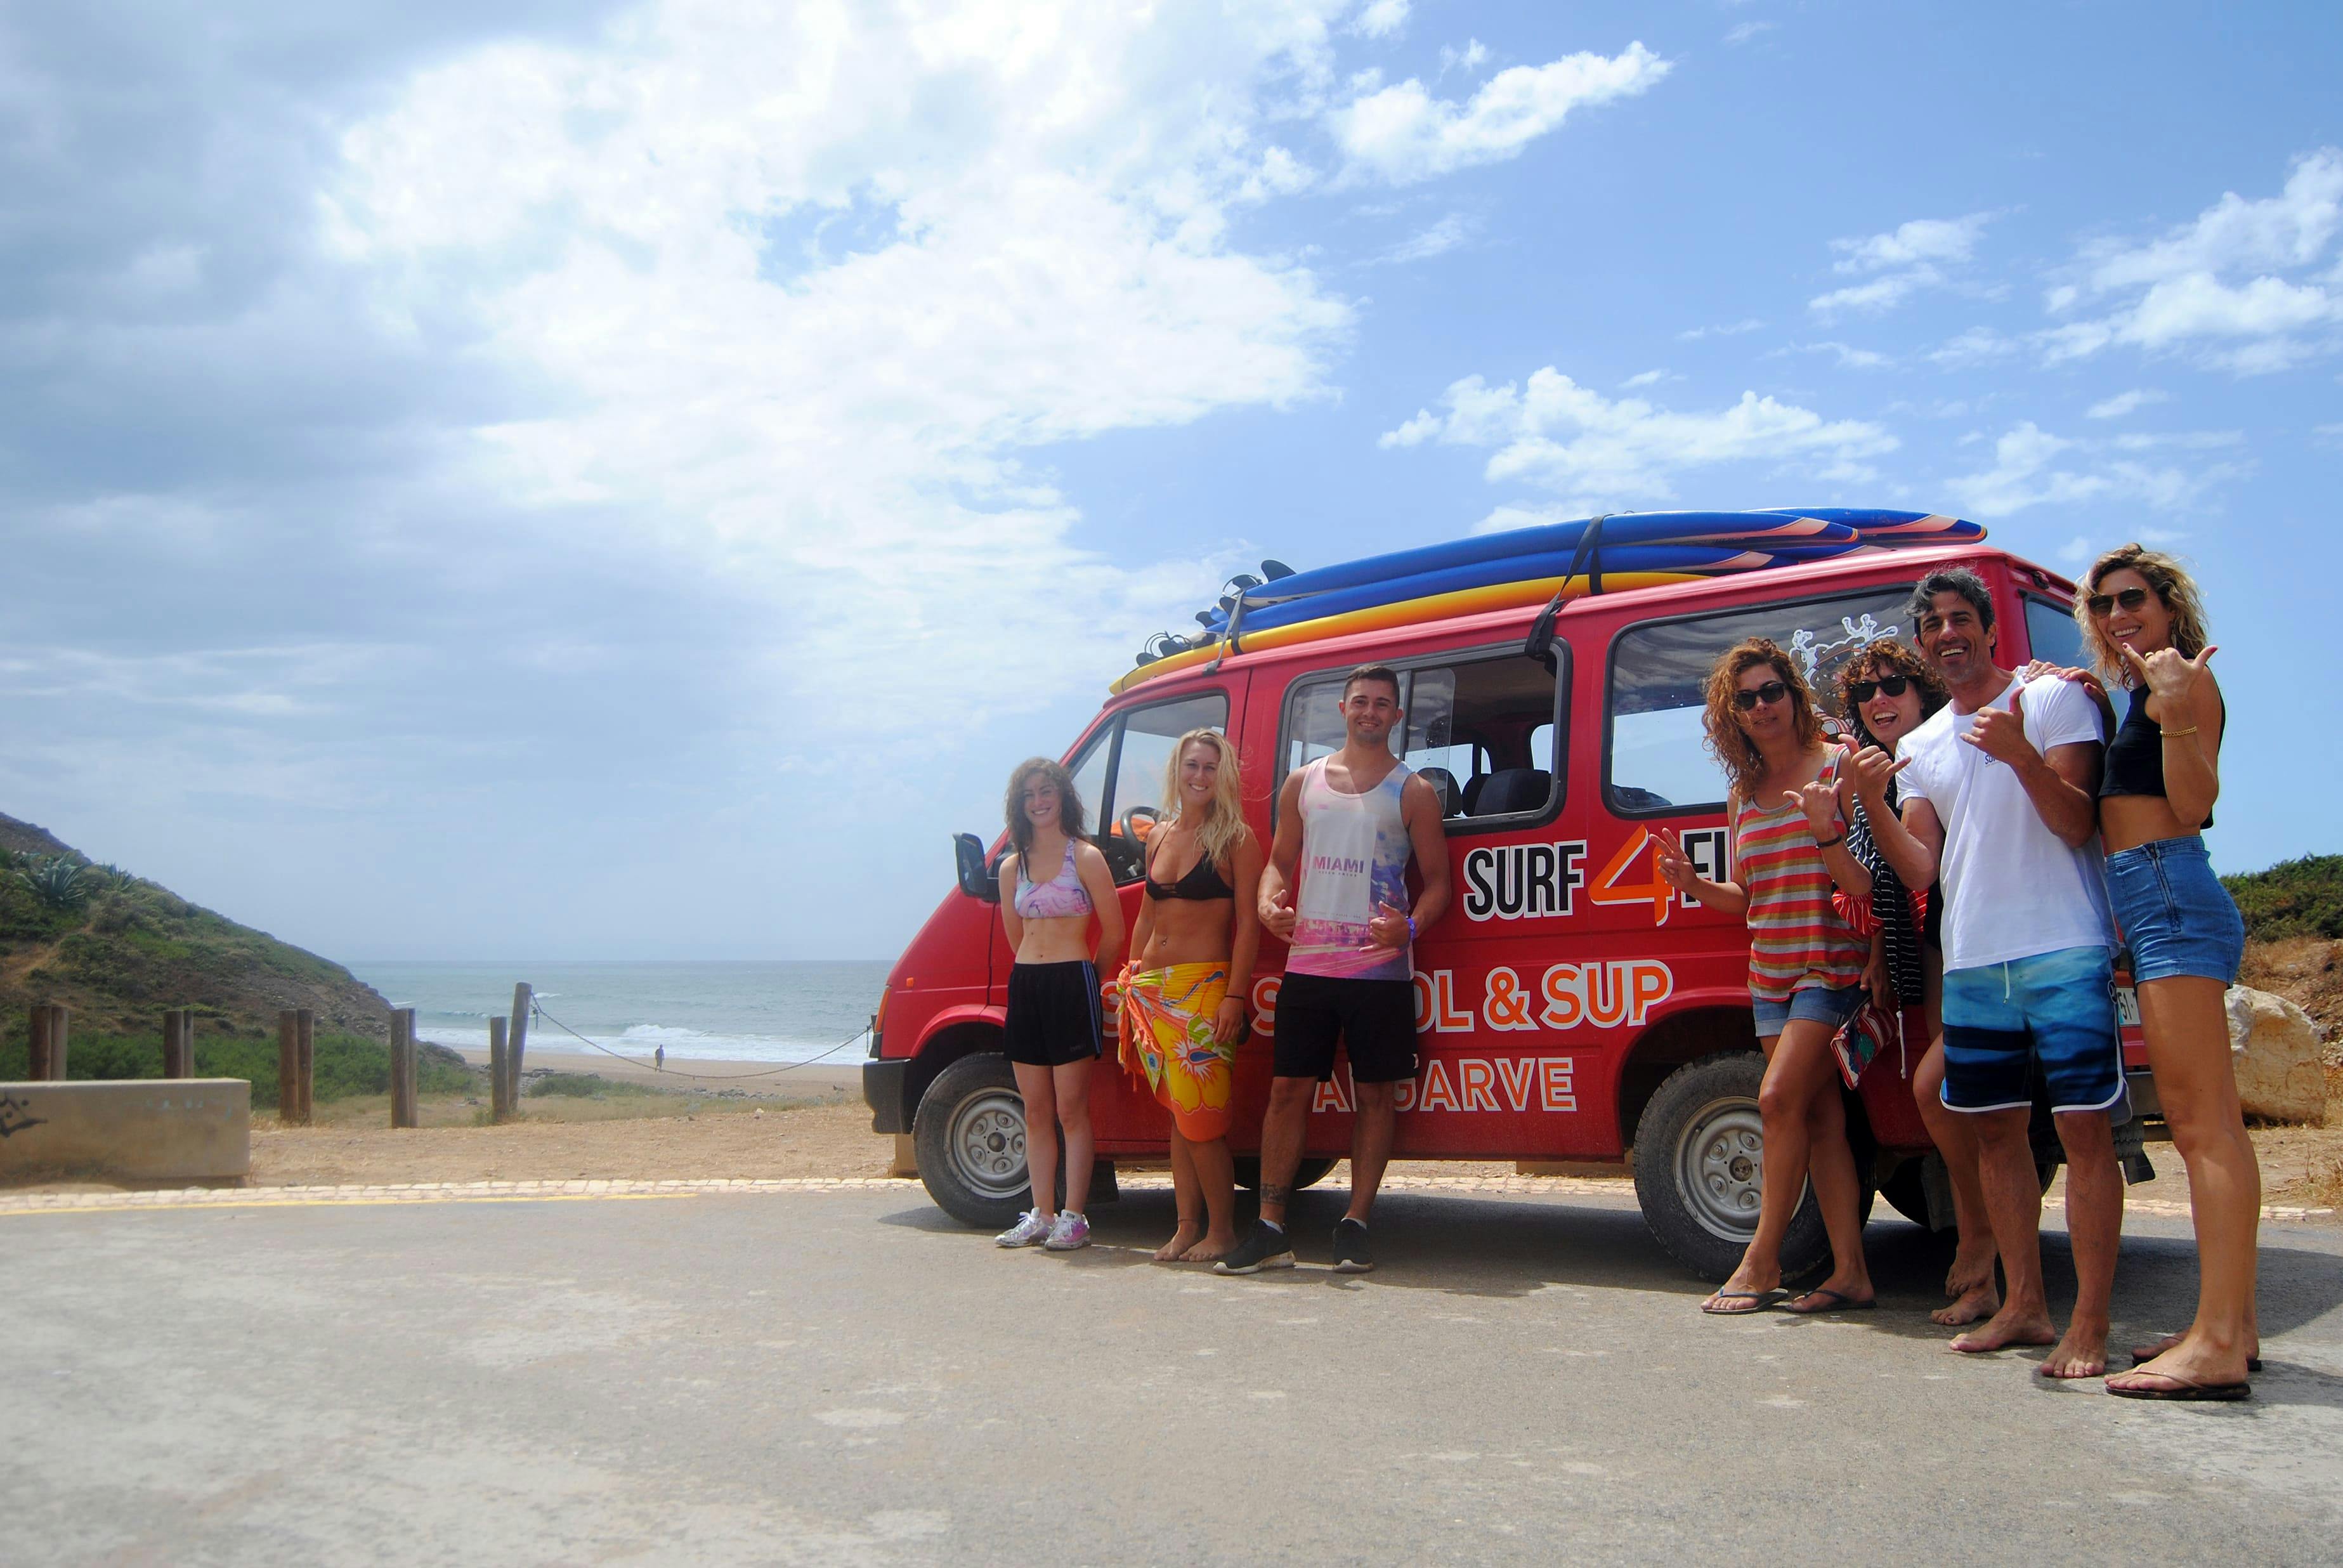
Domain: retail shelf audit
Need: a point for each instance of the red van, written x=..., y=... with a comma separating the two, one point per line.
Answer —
x=1570, y=1008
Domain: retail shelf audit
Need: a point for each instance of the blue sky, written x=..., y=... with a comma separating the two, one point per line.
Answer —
x=521, y=481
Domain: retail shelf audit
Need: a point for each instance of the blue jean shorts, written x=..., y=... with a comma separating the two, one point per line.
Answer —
x=2055, y=1008
x=1819, y=1004
x=2175, y=913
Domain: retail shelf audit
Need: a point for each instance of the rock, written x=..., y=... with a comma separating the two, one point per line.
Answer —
x=2278, y=1057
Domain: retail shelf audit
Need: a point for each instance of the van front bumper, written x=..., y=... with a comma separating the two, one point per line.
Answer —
x=882, y=1091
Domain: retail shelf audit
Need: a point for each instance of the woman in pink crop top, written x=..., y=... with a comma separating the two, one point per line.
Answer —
x=1054, y=883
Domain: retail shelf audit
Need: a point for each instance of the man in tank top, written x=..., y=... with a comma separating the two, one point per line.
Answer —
x=1335, y=888
x=2000, y=791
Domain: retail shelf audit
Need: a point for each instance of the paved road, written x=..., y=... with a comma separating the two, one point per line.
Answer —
x=846, y=1377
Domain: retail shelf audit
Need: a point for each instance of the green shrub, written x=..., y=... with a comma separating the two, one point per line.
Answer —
x=2301, y=897
x=345, y=1066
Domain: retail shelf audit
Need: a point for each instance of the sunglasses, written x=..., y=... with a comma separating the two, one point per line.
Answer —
x=2102, y=605
x=1773, y=691
x=1864, y=690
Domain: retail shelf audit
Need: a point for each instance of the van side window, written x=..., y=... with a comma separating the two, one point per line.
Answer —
x=1657, y=755
x=1479, y=730
x=1130, y=810
x=2051, y=633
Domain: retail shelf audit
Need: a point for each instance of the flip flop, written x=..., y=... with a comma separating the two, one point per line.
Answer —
x=1839, y=1302
x=2253, y=1363
x=1763, y=1299
x=2185, y=1392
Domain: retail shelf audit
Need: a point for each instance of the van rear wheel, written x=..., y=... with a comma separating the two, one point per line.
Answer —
x=1309, y=1174
x=1700, y=1161
x=970, y=1133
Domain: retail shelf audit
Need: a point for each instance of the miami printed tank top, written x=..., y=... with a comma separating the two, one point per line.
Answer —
x=1354, y=850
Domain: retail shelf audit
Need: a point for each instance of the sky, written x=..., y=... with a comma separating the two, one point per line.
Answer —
x=571, y=480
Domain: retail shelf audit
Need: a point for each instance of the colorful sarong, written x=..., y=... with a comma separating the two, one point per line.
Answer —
x=1168, y=1017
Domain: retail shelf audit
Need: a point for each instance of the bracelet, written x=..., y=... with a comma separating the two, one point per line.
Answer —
x=1831, y=843
x=2176, y=734
x=1410, y=928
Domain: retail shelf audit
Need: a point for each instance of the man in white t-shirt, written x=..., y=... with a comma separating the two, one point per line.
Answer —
x=2000, y=792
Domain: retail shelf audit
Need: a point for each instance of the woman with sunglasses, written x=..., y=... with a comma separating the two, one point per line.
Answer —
x=2144, y=624
x=1886, y=690
x=1787, y=805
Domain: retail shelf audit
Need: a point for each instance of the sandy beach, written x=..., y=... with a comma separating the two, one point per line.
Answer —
x=840, y=1077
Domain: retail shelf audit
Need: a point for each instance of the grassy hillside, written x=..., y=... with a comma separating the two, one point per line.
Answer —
x=117, y=949
x=2301, y=897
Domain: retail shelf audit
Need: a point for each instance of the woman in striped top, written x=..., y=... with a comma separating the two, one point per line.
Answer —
x=1788, y=806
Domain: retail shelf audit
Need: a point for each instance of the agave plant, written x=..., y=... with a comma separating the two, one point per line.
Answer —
x=58, y=883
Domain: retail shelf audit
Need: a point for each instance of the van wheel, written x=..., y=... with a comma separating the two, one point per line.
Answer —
x=970, y=1133
x=1309, y=1174
x=1907, y=1192
x=1700, y=1156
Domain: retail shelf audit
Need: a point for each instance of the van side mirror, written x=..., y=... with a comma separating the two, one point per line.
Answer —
x=976, y=879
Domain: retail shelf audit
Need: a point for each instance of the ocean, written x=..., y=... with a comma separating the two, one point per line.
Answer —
x=751, y=1012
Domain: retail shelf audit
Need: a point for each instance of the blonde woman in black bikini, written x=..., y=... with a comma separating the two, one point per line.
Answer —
x=1053, y=1033
x=1184, y=994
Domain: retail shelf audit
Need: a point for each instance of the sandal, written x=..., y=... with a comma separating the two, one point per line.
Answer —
x=1760, y=1301
x=2184, y=1391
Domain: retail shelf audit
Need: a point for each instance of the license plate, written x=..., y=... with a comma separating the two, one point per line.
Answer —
x=2126, y=1007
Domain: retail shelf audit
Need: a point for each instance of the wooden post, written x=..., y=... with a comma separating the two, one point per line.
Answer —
x=402, y=1067
x=499, y=1080
x=306, y=1063
x=178, y=1048
x=45, y=1055
x=288, y=1067
x=517, y=1040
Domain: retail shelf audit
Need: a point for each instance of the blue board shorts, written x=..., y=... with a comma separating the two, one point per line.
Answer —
x=2176, y=916
x=2055, y=1008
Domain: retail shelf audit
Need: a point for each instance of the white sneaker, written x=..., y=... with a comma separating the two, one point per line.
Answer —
x=1030, y=1228
x=1070, y=1231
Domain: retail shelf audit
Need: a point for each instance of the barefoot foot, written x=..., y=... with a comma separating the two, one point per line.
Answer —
x=1185, y=1237
x=1972, y=1267
x=1974, y=1305
x=2081, y=1354
x=2011, y=1326
x=1214, y=1245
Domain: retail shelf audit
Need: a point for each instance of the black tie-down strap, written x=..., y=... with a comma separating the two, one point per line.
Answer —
x=1588, y=558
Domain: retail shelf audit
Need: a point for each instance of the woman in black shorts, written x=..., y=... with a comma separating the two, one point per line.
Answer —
x=1053, y=884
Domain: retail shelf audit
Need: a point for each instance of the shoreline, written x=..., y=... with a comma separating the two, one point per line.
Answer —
x=694, y=1075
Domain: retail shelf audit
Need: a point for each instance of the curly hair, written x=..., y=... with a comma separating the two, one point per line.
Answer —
x=1727, y=742
x=2172, y=584
x=1020, y=827
x=1895, y=658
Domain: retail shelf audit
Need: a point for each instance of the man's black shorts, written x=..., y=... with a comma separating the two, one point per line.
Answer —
x=1375, y=1018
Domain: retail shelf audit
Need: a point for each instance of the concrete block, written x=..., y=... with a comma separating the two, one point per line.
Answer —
x=133, y=1129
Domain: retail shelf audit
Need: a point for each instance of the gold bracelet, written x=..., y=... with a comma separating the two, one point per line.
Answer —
x=2176, y=734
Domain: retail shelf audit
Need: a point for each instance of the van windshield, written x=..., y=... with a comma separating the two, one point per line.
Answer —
x=1658, y=759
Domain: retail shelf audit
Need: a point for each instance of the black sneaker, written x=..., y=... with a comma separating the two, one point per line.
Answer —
x=1266, y=1248
x=1351, y=1255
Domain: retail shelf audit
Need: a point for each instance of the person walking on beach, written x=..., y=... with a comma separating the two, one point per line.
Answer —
x=1336, y=889
x=1183, y=994
x=1787, y=805
x=1053, y=1033
x=2001, y=788
x=1886, y=690
x=2144, y=622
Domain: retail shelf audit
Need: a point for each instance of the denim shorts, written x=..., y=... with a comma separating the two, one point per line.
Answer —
x=2055, y=1008
x=1815, y=1003
x=2175, y=913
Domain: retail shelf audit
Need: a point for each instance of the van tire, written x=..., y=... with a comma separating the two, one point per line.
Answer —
x=969, y=1134
x=1699, y=1152
x=1309, y=1174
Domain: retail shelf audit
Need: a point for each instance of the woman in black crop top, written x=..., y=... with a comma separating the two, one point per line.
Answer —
x=1186, y=990
x=2145, y=627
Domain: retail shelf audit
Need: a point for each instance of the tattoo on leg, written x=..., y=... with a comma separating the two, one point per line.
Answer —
x=1275, y=1192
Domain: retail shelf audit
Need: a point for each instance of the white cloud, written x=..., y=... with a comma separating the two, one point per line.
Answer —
x=1848, y=357
x=1471, y=57
x=1908, y=258
x=1441, y=237
x=1649, y=378
x=1594, y=452
x=2187, y=292
x=1730, y=329
x=1748, y=30
x=2123, y=403
x=1401, y=133
x=2032, y=468
x=1381, y=18
x=1052, y=261
x=1977, y=346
